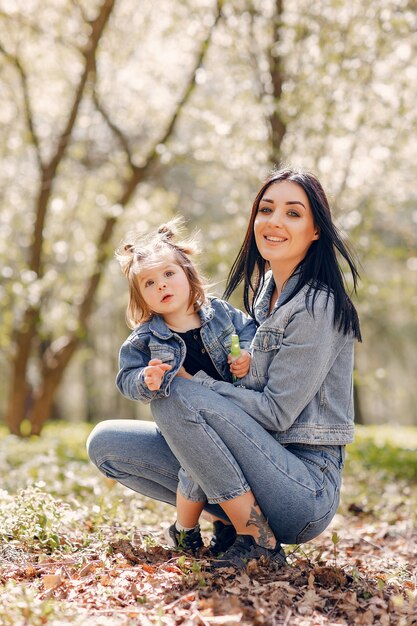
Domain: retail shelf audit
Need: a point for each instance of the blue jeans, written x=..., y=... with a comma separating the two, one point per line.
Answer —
x=226, y=453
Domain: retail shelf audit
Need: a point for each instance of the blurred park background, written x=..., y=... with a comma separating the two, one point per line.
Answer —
x=117, y=114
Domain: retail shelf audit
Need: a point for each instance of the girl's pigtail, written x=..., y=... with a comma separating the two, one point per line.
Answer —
x=125, y=255
x=168, y=233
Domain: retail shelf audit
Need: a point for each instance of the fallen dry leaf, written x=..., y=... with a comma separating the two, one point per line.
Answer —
x=51, y=581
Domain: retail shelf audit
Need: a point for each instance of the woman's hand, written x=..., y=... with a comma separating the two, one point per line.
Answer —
x=240, y=367
x=154, y=373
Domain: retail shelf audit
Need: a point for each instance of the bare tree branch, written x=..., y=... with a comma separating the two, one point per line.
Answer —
x=25, y=334
x=114, y=128
x=15, y=61
x=139, y=173
x=49, y=172
x=277, y=126
x=57, y=357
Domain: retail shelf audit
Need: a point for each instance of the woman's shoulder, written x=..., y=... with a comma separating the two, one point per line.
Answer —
x=312, y=300
x=320, y=294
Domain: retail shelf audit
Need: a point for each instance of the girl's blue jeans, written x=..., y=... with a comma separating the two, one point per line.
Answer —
x=227, y=453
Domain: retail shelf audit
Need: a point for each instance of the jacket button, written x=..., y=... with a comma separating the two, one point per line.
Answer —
x=203, y=351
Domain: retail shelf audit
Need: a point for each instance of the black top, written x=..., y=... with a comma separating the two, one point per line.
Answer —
x=197, y=357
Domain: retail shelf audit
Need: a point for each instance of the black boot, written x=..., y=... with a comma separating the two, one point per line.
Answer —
x=224, y=536
x=245, y=549
x=187, y=540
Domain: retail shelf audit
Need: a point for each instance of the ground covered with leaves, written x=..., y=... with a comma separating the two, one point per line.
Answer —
x=78, y=549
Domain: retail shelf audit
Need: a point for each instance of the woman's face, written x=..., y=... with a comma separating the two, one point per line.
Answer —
x=284, y=227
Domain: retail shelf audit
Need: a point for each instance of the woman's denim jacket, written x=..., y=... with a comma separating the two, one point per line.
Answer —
x=300, y=385
x=154, y=340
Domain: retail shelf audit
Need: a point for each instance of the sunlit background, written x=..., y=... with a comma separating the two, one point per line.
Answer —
x=117, y=114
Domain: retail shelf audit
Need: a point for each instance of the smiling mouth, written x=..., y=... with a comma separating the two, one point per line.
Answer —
x=275, y=239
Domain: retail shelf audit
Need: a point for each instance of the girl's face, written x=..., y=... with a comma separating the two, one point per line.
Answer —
x=165, y=288
x=284, y=227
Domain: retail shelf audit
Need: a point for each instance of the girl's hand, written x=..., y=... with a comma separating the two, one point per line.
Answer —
x=240, y=367
x=154, y=373
x=182, y=373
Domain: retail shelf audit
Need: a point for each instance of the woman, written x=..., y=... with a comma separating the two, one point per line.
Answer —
x=267, y=452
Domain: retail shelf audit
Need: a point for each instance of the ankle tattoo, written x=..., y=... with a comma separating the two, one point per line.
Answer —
x=266, y=537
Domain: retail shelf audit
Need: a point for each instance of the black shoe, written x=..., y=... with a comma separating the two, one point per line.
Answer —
x=224, y=536
x=188, y=540
x=245, y=549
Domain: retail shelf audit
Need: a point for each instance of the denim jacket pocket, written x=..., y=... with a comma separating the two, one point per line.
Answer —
x=225, y=336
x=268, y=338
x=159, y=351
x=266, y=344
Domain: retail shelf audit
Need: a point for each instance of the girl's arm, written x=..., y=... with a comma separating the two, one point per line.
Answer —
x=308, y=349
x=133, y=368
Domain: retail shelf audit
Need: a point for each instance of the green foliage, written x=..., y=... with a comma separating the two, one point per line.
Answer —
x=335, y=542
x=388, y=450
x=33, y=519
x=21, y=606
x=50, y=489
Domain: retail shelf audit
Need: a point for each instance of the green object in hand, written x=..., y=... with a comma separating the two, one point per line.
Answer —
x=235, y=351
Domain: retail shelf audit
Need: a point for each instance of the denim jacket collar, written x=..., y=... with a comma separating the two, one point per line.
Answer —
x=264, y=299
x=158, y=327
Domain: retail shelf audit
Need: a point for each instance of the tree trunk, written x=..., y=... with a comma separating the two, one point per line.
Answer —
x=56, y=360
x=277, y=124
x=20, y=390
x=26, y=334
x=359, y=419
x=53, y=370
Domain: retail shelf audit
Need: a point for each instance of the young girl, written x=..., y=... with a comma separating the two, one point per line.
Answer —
x=176, y=328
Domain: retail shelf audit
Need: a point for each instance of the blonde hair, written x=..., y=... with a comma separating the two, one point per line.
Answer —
x=136, y=250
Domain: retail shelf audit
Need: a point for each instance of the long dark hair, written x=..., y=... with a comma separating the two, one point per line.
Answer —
x=320, y=269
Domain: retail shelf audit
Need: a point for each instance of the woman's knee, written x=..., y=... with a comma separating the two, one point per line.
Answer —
x=171, y=407
x=100, y=440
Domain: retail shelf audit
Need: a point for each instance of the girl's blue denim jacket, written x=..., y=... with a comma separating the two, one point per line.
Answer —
x=300, y=385
x=154, y=340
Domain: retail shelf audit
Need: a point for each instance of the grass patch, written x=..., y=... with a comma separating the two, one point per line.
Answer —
x=389, y=450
